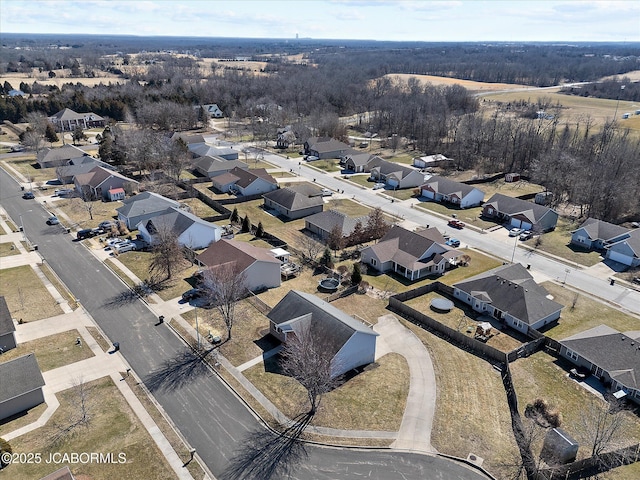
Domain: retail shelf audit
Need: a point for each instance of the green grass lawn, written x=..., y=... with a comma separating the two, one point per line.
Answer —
x=52, y=351
x=7, y=249
x=112, y=428
x=19, y=286
x=586, y=314
x=557, y=243
x=328, y=165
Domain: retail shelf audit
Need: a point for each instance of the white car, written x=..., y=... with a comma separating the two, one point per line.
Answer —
x=62, y=192
x=514, y=232
x=378, y=186
x=112, y=242
x=326, y=192
x=124, y=247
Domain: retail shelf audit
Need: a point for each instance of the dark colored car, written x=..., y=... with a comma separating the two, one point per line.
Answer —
x=28, y=195
x=85, y=233
x=456, y=224
x=192, y=294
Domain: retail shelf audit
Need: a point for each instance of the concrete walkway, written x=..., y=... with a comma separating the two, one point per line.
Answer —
x=415, y=429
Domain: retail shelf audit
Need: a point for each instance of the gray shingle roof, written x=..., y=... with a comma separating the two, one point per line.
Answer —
x=66, y=152
x=512, y=289
x=617, y=353
x=326, y=145
x=6, y=323
x=331, y=218
x=292, y=200
x=513, y=206
x=601, y=230
x=247, y=177
x=145, y=202
x=446, y=186
x=19, y=376
x=243, y=253
x=388, y=168
x=326, y=320
x=208, y=163
x=178, y=220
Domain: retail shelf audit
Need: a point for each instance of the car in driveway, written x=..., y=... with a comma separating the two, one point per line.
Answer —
x=112, y=242
x=28, y=195
x=453, y=242
x=85, y=233
x=62, y=192
x=192, y=294
x=456, y=224
x=325, y=192
x=514, y=232
x=526, y=235
x=123, y=247
x=107, y=224
x=53, y=220
x=378, y=186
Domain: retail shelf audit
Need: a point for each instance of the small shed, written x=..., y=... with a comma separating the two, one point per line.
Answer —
x=116, y=194
x=281, y=254
x=512, y=177
x=559, y=447
x=543, y=198
x=483, y=329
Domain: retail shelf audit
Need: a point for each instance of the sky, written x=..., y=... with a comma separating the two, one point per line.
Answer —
x=396, y=20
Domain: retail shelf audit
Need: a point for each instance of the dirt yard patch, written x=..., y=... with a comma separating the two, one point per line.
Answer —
x=53, y=351
x=20, y=285
x=358, y=404
x=113, y=428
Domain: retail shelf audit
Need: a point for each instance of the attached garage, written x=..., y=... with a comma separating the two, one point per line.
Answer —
x=619, y=257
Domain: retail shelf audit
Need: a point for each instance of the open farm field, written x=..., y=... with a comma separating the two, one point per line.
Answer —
x=62, y=77
x=468, y=84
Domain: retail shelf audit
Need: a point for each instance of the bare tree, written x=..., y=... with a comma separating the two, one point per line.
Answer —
x=226, y=285
x=33, y=141
x=81, y=413
x=166, y=251
x=308, y=357
x=335, y=240
x=311, y=248
x=602, y=428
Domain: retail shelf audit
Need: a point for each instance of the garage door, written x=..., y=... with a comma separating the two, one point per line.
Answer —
x=392, y=182
x=526, y=226
x=515, y=223
x=618, y=257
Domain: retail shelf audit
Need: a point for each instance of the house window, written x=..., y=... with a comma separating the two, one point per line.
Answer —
x=572, y=355
x=373, y=262
x=490, y=211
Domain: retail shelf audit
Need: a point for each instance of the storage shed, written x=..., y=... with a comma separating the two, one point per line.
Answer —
x=559, y=447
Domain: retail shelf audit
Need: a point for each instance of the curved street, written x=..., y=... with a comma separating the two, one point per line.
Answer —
x=212, y=418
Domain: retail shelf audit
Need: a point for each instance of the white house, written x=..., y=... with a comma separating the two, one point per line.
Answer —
x=509, y=294
x=396, y=175
x=260, y=267
x=192, y=232
x=143, y=206
x=444, y=190
x=350, y=342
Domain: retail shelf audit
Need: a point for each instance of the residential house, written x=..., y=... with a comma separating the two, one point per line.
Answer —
x=55, y=157
x=350, y=343
x=292, y=202
x=286, y=137
x=260, y=267
x=68, y=120
x=323, y=223
x=212, y=110
x=245, y=182
x=189, y=138
x=596, y=234
x=325, y=147
x=213, y=166
x=97, y=183
x=509, y=294
x=191, y=231
x=21, y=385
x=444, y=190
x=206, y=150
x=437, y=160
x=611, y=356
x=63, y=473
x=414, y=255
x=143, y=206
x=396, y=175
x=7, y=328
x=520, y=213
x=76, y=166
x=361, y=162
x=626, y=250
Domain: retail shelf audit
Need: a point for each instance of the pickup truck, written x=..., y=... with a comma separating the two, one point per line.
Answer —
x=456, y=223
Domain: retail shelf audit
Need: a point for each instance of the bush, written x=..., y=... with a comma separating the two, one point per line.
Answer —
x=246, y=224
x=356, y=276
x=259, y=230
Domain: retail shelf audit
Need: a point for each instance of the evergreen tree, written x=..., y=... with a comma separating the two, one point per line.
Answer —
x=327, y=259
x=246, y=224
x=50, y=134
x=234, y=216
x=259, y=230
x=356, y=276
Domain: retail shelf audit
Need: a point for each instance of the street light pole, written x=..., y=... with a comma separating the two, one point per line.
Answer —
x=515, y=244
x=197, y=329
x=24, y=234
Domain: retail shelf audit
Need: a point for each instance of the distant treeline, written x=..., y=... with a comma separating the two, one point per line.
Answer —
x=616, y=89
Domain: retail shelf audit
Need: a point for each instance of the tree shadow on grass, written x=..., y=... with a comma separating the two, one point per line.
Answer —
x=176, y=372
x=266, y=455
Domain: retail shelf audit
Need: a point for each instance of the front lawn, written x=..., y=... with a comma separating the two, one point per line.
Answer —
x=7, y=249
x=467, y=215
x=19, y=286
x=80, y=212
x=328, y=165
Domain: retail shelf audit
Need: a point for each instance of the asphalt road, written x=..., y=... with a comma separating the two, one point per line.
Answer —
x=213, y=420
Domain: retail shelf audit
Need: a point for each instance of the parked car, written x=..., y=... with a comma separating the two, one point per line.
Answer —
x=62, y=192
x=378, y=186
x=326, y=192
x=112, y=242
x=456, y=223
x=192, y=294
x=85, y=233
x=53, y=220
x=453, y=242
x=312, y=158
x=107, y=224
x=514, y=232
x=526, y=235
x=28, y=195
x=123, y=247
x=17, y=148
x=140, y=244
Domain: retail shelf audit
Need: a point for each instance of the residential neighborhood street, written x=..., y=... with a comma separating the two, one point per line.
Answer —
x=212, y=418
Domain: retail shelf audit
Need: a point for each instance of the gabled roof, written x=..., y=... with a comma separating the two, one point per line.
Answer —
x=617, y=353
x=177, y=220
x=292, y=200
x=446, y=186
x=514, y=206
x=66, y=152
x=329, y=219
x=326, y=321
x=188, y=139
x=204, y=149
x=363, y=159
x=395, y=169
x=601, y=230
x=247, y=177
x=68, y=114
x=6, y=323
x=326, y=145
x=62, y=474
x=511, y=288
x=633, y=241
x=145, y=202
x=209, y=164
x=98, y=175
x=19, y=376
x=242, y=253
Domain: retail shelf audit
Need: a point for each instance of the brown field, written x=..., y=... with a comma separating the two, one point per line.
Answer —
x=468, y=84
x=62, y=77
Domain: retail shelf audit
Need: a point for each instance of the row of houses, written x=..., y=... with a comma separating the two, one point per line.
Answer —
x=620, y=244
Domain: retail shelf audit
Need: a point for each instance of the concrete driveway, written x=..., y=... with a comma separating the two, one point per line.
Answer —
x=415, y=429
